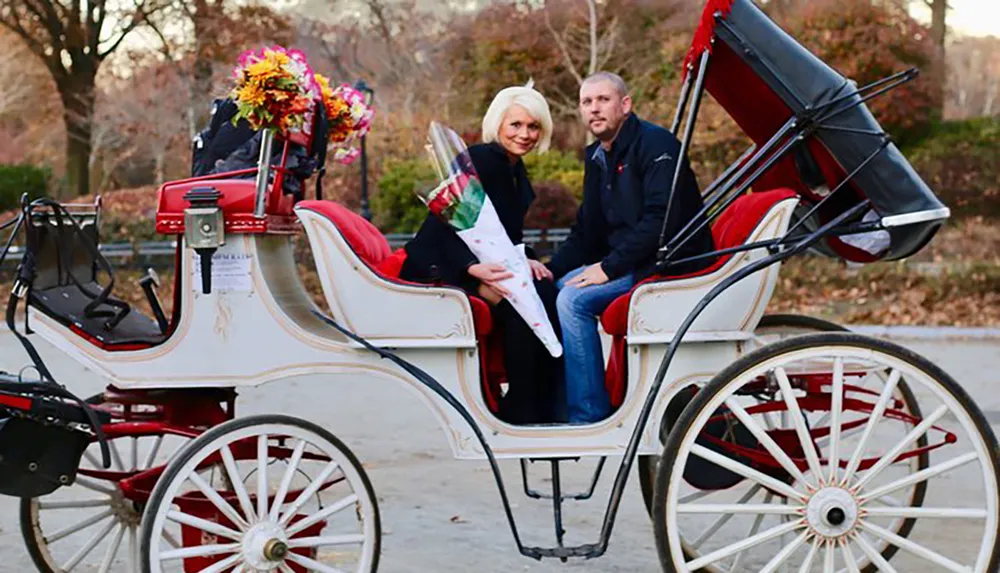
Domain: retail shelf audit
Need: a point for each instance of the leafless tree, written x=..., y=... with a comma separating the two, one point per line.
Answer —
x=73, y=38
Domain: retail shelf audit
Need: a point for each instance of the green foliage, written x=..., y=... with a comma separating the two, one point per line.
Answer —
x=960, y=161
x=556, y=166
x=18, y=179
x=395, y=205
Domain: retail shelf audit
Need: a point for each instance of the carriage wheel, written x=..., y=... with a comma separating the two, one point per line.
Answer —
x=297, y=500
x=780, y=504
x=771, y=328
x=89, y=525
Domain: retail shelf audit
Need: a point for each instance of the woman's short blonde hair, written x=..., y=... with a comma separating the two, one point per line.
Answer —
x=532, y=102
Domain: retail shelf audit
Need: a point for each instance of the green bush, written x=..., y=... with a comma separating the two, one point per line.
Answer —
x=18, y=179
x=960, y=161
x=395, y=205
x=556, y=166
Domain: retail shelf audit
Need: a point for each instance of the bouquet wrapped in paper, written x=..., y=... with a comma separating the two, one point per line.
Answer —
x=461, y=202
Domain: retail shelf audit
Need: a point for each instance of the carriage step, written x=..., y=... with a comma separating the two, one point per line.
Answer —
x=587, y=551
x=535, y=494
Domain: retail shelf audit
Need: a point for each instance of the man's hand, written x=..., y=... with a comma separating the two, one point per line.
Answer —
x=592, y=275
x=539, y=271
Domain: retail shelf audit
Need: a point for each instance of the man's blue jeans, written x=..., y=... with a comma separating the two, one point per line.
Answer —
x=586, y=396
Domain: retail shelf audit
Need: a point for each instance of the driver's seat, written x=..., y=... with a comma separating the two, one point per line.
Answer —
x=66, y=286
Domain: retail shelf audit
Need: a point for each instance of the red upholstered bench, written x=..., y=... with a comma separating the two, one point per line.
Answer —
x=732, y=228
x=372, y=248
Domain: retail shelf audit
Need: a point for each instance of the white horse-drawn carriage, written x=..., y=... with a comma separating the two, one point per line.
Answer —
x=816, y=452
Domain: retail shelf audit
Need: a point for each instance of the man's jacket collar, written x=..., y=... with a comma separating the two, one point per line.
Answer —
x=626, y=136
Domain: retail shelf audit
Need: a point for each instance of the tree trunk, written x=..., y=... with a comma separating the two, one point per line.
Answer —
x=77, y=94
x=203, y=19
x=939, y=29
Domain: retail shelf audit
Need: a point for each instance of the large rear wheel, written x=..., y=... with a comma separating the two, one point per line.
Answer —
x=832, y=496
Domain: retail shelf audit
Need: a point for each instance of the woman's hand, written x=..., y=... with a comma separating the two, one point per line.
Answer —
x=539, y=271
x=490, y=273
x=489, y=293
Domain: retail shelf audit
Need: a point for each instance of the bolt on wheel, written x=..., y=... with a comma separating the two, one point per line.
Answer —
x=798, y=457
x=292, y=498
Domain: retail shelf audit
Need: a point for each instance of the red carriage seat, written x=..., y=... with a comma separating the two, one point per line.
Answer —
x=373, y=248
x=731, y=228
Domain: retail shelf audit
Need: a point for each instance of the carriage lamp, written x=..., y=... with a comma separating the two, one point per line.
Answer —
x=204, y=229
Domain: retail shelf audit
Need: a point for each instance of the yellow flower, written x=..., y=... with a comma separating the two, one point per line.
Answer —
x=251, y=94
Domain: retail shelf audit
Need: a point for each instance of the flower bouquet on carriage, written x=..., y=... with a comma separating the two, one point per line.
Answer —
x=275, y=91
x=460, y=200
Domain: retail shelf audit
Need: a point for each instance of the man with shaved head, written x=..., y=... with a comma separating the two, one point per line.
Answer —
x=627, y=178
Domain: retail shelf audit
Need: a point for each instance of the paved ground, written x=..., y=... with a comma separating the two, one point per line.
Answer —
x=443, y=515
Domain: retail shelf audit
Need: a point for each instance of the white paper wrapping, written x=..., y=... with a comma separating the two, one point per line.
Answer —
x=489, y=242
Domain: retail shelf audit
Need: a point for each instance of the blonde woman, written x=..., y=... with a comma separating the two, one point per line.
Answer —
x=517, y=122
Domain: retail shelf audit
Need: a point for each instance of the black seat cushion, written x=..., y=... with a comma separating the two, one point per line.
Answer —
x=66, y=304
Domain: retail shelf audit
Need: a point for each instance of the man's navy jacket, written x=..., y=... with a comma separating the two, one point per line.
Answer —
x=641, y=161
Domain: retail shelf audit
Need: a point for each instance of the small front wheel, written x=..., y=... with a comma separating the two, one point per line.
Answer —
x=263, y=493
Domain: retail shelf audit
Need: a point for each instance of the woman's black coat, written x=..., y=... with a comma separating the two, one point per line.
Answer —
x=437, y=254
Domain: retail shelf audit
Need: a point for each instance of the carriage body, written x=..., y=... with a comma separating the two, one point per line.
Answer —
x=691, y=380
x=258, y=326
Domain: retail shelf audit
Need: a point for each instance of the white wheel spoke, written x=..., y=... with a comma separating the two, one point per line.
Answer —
x=133, y=549
x=311, y=564
x=73, y=503
x=308, y=492
x=80, y=526
x=224, y=564
x=785, y=553
x=134, y=458
x=285, y=568
x=807, y=564
x=754, y=528
x=116, y=457
x=914, y=548
x=873, y=419
x=262, y=457
x=303, y=524
x=747, y=472
x=743, y=545
x=798, y=420
x=286, y=480
x=203, y=524
x=199, y=551
x=829, y=563
x=170, y=539
x=236, y=480
x=743, y=509
x=221, y=504
x=722, y=520
x=765, y=440
x=923, y=475
x=890, y=456
x=311, y=542
x=93, y=459
x=852, y=564
x=874, y=555
x=94, y=485
x=89, y=546
x=151, y=456
x=109, y=555
x=836, y=411
x=925, y=512
x=698, y=495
